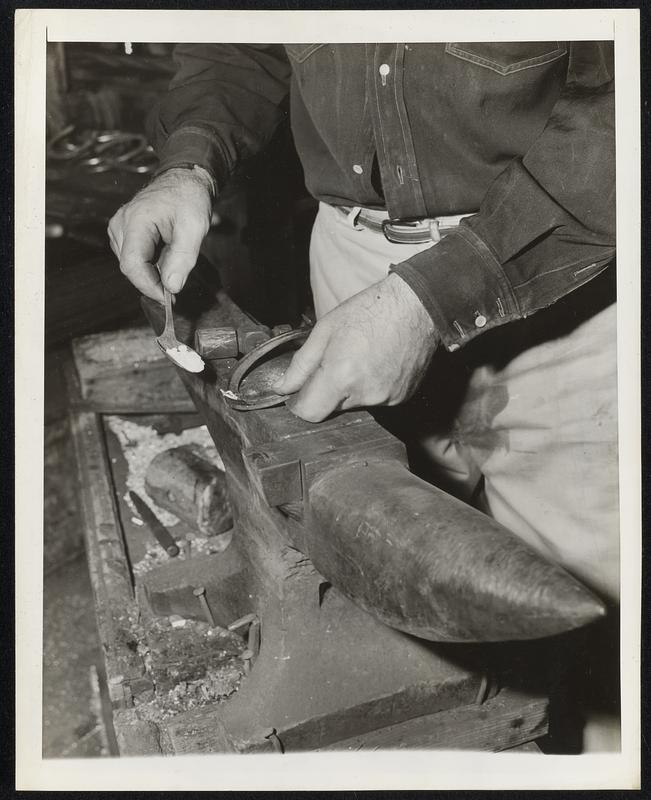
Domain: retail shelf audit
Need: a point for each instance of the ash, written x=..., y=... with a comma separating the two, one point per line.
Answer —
x=155, y=555
x=189, y=663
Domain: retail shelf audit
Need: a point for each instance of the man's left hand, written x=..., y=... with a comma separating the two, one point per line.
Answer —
x=371, y=350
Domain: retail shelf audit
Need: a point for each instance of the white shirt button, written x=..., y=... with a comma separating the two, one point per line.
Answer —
x=480, y=321
x=358, y=168
x=385, y=69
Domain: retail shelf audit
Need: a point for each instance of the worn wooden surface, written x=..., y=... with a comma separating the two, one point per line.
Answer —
x=125, y=371
x=506, y=721
x=107, y=559
x=135, y=736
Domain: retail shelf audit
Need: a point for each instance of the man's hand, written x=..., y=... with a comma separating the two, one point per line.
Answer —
x=165, y=223
x=371, y=350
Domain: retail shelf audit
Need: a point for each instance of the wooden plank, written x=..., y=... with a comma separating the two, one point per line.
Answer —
x=528, y=747
x=506, y=721
x=135, y=736
x=125, y=371
x=110, y=576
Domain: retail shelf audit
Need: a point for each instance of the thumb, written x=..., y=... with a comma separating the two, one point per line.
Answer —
x=178, y=258
x=305, y=361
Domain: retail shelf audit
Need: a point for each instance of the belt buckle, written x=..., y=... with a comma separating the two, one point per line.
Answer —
x=391, y=229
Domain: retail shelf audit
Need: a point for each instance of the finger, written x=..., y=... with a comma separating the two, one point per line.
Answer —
x=179, y=257
x=119, y=238
x=318, y=398
x=136, y=260
x=113, y=244
x=115, y=230
x=305, y=362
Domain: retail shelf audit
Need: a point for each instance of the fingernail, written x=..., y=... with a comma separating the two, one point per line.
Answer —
x=174, y=282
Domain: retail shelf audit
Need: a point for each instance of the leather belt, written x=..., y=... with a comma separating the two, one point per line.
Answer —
x=406, y=230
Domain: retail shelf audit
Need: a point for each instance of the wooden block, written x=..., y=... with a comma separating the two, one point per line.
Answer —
x=284, y=470
x=135, y=736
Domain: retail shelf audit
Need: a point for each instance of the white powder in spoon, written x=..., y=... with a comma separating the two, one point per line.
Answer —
x=185, y=357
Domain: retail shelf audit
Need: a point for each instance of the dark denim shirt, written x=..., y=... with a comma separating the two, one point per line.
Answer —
x=520, y=132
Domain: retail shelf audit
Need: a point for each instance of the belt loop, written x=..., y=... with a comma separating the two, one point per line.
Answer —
x=352, y=216
x=434, y=231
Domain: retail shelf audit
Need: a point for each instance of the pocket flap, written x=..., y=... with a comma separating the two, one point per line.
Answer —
x=507, y=57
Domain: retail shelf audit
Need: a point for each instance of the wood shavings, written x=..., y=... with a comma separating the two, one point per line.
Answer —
x=140, y=443
x=155, y=555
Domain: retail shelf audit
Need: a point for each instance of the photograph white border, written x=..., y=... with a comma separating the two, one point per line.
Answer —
x=337, y=771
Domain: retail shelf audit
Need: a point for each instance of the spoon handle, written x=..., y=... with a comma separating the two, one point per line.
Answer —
x=168, y=333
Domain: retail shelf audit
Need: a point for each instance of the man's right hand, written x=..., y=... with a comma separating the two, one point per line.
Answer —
x=165, y=223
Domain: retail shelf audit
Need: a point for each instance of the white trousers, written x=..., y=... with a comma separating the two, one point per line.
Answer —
x=540, y=427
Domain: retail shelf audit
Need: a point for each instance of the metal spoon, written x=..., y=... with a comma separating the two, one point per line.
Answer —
x=179, y=353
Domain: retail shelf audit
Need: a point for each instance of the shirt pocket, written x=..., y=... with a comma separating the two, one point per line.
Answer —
x=505, y=58
x=301, y=52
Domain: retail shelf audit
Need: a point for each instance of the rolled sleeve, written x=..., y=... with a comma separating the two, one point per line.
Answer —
x=462, y=286
x=196, y=145
x=222, y=106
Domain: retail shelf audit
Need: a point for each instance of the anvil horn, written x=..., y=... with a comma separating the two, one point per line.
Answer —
x=428, y=564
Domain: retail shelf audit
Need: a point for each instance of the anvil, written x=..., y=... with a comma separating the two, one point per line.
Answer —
x=358, y=575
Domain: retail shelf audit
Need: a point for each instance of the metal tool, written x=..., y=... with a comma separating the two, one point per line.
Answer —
x=103, y=151
x=272, y=736
x=252, y=624
x=250, y=386
x=200, y=594
x=64, y=148
x=162, y=535
x=179, y=353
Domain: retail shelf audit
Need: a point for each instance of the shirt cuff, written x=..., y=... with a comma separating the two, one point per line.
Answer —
x=462, y=285
x=196, y=145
